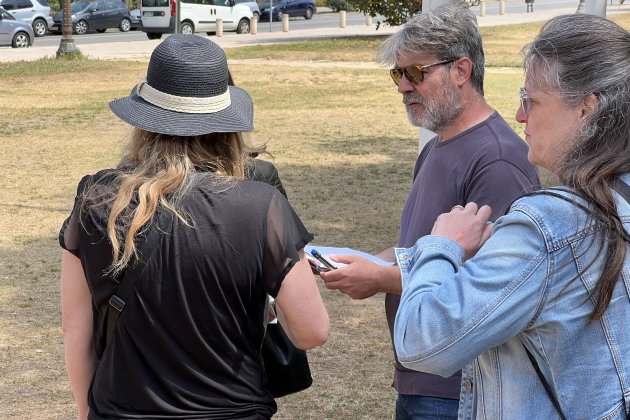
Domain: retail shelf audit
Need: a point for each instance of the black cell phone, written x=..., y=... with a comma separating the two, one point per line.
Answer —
x=317, y=266
x=323, y=260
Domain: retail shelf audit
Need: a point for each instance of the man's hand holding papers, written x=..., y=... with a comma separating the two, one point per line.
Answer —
x=360, y=275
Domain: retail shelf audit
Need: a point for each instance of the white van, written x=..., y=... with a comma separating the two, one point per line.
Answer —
x=158, y=16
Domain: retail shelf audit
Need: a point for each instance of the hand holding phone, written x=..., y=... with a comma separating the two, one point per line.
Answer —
x=328, y=264
x=317, y=267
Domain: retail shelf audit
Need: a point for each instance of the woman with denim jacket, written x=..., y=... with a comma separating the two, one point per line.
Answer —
x=552, y=281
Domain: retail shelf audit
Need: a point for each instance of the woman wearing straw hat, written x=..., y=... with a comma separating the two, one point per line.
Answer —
x=203, y=246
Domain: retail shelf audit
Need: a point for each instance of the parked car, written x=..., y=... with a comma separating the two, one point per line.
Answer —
x=14, y=32
x=36, y=12
x=158, y=16
x=96, y=16
x=136, y=19
x=305, y=8
x=253, y=6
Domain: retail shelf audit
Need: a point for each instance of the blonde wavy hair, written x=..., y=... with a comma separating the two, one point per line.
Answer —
x=157, y=170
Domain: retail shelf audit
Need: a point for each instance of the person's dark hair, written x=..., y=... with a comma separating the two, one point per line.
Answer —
x=449, y=32
x=577, y=56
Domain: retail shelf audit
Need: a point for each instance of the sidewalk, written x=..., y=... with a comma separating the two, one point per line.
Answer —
x=141, y=50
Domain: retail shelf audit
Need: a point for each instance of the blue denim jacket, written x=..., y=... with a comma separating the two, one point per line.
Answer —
x=517, y=291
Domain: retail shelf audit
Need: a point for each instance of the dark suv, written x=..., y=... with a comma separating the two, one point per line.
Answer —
x=96, y=16
x=305, y=8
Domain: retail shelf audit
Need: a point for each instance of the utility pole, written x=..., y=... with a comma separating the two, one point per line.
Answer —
x=178, y=17
x=595, y=7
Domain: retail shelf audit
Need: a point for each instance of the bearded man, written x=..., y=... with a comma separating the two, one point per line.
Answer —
x=438, y=67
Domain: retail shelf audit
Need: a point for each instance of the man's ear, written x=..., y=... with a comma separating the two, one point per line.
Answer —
x=461, y=71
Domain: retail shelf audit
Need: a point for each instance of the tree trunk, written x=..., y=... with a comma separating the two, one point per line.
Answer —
x=66, y=46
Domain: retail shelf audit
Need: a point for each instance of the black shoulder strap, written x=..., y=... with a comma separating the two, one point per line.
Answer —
x=553, y=399
x=118, y=300
x=622, y=189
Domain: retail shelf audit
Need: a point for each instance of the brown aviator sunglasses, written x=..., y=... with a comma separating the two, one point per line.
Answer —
x=414, y=72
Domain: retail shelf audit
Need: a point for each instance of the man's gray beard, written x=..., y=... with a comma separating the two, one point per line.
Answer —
x=438, y=114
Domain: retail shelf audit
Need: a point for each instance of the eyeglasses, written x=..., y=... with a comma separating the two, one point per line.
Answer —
x=526, y=101
x=414, y=72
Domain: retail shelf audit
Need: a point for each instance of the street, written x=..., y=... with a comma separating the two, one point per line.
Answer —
x=320, y=20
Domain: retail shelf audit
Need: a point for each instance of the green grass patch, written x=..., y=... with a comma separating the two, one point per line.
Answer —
x=52, y=65
x=502, y=46
x=333, y=49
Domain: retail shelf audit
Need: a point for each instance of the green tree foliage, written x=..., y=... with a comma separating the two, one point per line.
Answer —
x=55, y=5
x=395, y=12
x=339, y=5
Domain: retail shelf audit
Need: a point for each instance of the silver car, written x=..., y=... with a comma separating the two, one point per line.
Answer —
x=14, y=32
x=35, y=12
x=253, y=6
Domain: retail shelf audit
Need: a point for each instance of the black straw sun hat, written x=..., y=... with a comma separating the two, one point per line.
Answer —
x=186, y=92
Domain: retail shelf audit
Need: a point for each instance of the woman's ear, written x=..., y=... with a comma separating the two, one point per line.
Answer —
x=588, y=106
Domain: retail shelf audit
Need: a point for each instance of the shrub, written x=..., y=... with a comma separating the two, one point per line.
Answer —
x=339, y=5
x=395, y=12
x=55, y=5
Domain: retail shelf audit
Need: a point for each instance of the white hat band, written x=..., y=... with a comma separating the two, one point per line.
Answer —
x=188, y=104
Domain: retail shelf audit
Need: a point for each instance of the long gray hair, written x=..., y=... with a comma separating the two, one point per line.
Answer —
x=449, y=32
x=578, y=56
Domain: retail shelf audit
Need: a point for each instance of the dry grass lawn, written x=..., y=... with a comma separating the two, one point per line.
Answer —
x=345, y=152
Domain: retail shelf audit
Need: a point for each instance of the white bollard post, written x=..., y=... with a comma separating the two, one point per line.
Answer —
x=501, y=7
x=368, y=20
x=253, y=27
x=342, y=19
x=219, y=25
x=482, y=8
x=285, y=22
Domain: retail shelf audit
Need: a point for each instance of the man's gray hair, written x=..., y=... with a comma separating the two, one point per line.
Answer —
x=449, y=32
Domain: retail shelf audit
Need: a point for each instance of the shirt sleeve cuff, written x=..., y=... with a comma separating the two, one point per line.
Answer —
x=427, y=248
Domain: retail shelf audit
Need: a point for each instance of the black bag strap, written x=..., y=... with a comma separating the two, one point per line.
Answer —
x=118, y=300
x=622, y=189
x=552, y=397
